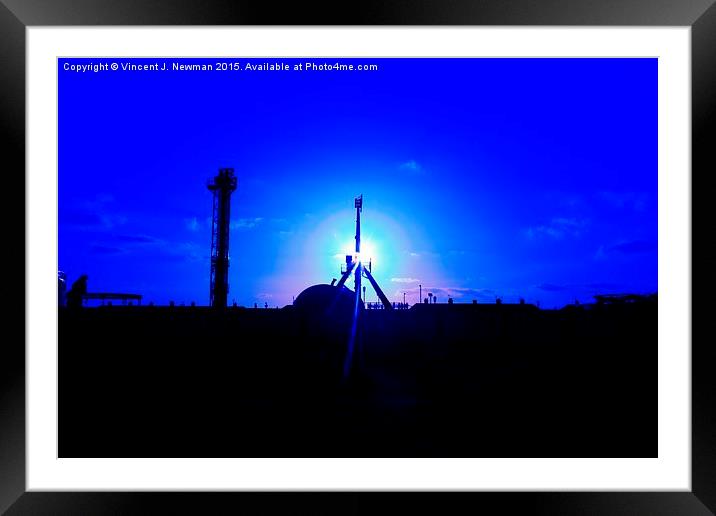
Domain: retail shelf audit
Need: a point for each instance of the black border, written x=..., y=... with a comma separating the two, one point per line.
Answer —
x=700, y=15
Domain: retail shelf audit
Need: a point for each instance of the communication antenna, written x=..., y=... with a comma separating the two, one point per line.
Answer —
x=355, y=266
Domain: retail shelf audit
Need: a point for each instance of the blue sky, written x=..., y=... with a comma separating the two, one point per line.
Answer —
x=532, y=178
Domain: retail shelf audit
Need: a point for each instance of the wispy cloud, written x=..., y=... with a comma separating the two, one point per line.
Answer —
x=106, y=249
x=423, y=254
x=150, y=247
x=549, y=287
x=467, y=293
x=404, y=280
x=581, y=290
x=571, y=201
x=125, y=243
x=96, y=214
x=192, y=224
x=138, y=239
x=636, y=201
x=245, y=223
x=625, y=248
x=189, y=251
x=411, y=166
x=177, y=252
x=558, y=228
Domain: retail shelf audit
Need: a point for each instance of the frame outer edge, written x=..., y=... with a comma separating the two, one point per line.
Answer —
x=703, y=395
x=12, y=390
x=12, y=357
x=369, y=12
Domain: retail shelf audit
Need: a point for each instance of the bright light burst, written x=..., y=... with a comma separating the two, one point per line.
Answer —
x=368, y=251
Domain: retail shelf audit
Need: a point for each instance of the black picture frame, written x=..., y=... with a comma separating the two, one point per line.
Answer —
x=700, y=15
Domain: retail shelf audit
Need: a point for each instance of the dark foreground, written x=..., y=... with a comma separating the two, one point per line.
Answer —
x=435, y=381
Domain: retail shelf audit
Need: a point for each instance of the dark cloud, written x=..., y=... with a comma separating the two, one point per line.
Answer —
x=633, y=247
x=83, y=218
x=605, y=286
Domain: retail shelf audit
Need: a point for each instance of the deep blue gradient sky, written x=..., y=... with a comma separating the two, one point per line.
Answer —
x=532, y=178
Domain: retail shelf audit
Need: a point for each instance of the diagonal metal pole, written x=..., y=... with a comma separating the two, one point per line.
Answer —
x=378, y=290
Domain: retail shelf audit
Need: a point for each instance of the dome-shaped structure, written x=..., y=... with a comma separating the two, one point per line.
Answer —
x=326, y=314
x=327, y=301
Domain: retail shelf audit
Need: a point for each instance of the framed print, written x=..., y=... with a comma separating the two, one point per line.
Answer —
x=445, y=249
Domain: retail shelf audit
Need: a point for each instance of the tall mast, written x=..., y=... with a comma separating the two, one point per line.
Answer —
x=359, y=265
x=223, y=185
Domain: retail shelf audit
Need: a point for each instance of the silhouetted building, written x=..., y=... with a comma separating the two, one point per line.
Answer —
x=77, y=293
x=615, y=299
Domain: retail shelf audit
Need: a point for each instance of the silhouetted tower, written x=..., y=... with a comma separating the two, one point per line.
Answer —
x=359, y=266
x=356, y=266
x=223, y=185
